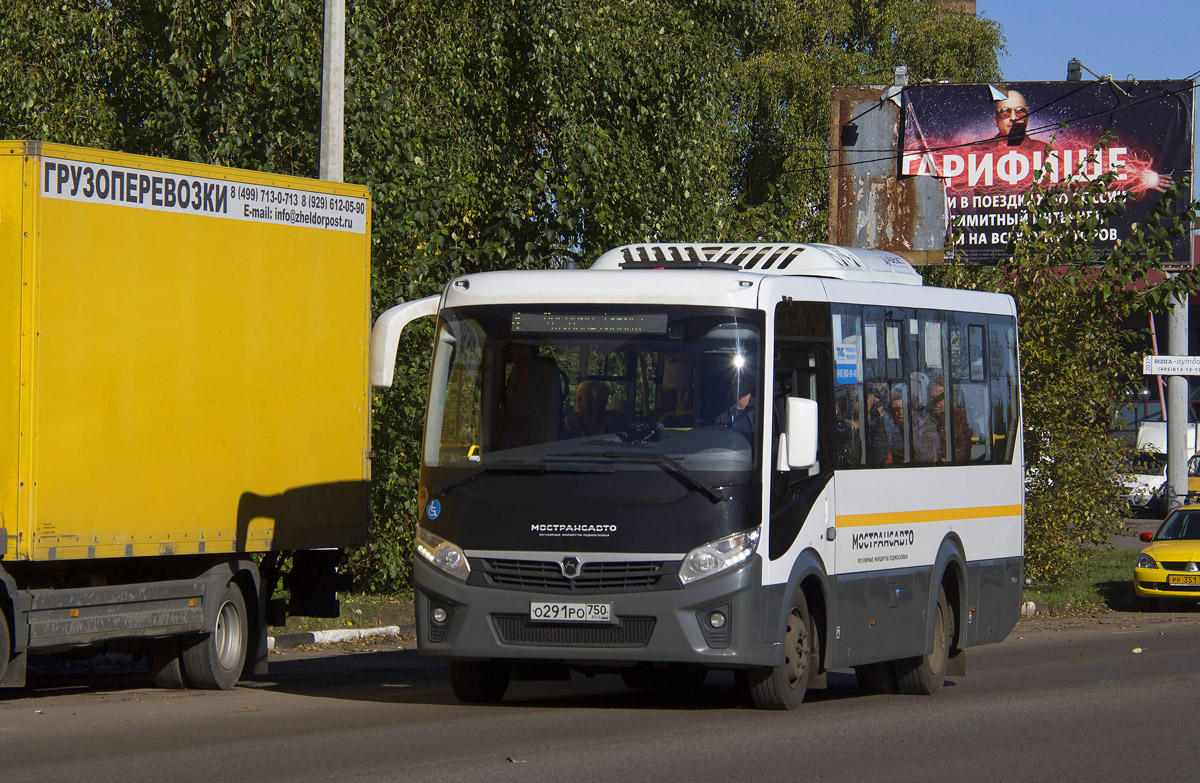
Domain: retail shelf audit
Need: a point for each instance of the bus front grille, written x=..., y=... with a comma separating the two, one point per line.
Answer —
x=625, y=632
x=595, y=577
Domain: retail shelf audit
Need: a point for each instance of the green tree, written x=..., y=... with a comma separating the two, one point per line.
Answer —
x=493, y=135
x=1077, y=363
x=521, y=135
x=61, y=67
x=792, y=53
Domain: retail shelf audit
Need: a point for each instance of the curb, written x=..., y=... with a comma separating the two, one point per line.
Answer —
x=289, y=640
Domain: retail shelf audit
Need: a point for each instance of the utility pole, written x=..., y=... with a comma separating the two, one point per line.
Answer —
x=1178, y=413
x=333, y=85
x=1178, y=421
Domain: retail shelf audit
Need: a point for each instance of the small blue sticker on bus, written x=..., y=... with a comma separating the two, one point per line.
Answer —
x=433, y=509
x=846, y=358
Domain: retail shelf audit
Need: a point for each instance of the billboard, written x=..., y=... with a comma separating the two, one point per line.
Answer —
x=987, y=142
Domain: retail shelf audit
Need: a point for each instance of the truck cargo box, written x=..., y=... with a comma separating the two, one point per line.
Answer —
x=183, y=358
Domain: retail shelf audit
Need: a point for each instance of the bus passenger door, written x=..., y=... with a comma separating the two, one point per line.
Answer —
x=798, y=510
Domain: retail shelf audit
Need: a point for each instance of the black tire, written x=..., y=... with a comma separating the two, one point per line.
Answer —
x=5, y=644
x=479, y=682
x=877, y=677
x=166, y=663
x=783, y=687
x=214, y=661
x=924, y=675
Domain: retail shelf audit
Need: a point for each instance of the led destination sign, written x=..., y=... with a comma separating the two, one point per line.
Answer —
x=560, y=323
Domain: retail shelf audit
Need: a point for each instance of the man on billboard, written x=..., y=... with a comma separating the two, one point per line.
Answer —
x=1012, y=122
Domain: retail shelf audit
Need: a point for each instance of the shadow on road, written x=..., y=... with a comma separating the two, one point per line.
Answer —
x=400, y=676
x=1118, y=595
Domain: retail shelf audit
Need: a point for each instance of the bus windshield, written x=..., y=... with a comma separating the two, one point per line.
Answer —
x=570, y=388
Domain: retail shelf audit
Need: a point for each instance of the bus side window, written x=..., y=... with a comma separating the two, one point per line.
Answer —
x=969, y=389
x=1002, y=365
x=848, y=413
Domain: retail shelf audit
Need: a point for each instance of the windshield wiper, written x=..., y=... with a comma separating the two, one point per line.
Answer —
x=672, y=466
x=516, y=467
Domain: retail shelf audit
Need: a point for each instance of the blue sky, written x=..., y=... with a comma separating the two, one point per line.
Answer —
x=1150, y=39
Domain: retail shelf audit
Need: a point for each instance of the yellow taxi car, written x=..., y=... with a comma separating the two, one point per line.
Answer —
x=1170, y=567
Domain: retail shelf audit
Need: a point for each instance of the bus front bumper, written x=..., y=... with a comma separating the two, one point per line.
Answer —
x=662, y=626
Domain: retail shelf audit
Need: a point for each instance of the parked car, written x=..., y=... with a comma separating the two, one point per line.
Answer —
x=1169, y=568
x=1144, y=480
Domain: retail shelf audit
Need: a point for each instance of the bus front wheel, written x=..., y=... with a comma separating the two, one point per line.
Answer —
x=479, y=682
x=923, y=675
x=783, y=687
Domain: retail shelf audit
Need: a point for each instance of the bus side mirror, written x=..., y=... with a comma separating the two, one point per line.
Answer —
x=800, y=438
x=385, y=336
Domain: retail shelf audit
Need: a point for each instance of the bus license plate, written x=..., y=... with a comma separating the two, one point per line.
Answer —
x=1183, y=580
x=559, y=612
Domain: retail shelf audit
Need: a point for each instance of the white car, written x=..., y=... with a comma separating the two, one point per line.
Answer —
x=1144, y=481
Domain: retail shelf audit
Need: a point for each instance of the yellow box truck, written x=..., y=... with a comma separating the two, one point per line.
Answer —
x=185, y=401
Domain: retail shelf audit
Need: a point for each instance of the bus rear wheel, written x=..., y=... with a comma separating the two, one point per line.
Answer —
x=479, y=682
x=923, y=675
x=783, y=687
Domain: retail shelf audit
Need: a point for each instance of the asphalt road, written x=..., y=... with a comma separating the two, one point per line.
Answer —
x=1066, y=699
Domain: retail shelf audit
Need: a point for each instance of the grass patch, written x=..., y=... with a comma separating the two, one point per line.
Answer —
x=358, y=611
x=1102, y=582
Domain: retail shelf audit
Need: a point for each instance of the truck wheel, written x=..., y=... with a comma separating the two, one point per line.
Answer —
x=782, y=687
x=166, y=662
x=923, y=675
x=479, y=682
x=214, y=661
x=5, y=644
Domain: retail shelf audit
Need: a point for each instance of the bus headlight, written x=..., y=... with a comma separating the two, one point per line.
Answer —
x=718, y=556
x=442, y=554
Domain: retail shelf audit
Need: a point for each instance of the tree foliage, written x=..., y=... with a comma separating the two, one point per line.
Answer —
x=791, y=55
x=509, y=134
x=1076, y=363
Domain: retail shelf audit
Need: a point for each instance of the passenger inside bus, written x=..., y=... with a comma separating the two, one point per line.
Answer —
x=531, y=410
x=847, y=440
x=675, y=403
x=927, y=447
x=742, y=415
x=882, y=433
x=961, y=433
x=591, y=415
x=897, y=402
